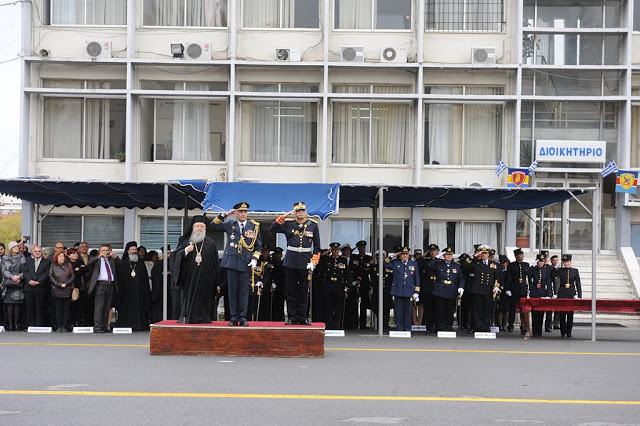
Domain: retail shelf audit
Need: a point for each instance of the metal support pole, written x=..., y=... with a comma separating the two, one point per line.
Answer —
x=165, y=259
x=595, y=216
x=380, y=262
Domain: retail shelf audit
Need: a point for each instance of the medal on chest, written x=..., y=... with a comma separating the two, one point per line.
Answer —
x=133, y=271
x=199, y=253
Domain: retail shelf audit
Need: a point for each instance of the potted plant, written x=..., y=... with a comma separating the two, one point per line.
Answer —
x=121, y=156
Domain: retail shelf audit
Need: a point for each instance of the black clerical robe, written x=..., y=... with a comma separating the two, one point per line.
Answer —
x=134, y=297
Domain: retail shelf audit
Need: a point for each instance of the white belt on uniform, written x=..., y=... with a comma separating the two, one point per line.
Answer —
x=300, y=249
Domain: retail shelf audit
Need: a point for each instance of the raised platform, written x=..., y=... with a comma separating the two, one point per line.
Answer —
x=261, y=338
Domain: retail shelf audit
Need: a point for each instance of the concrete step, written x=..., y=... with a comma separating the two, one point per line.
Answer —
x=608, y=295
x=617, y=275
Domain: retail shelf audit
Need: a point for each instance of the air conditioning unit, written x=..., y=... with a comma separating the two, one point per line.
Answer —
x=483, y=55
x=288, y=55
x=200, y=51
x=98, y=49
x=351, y=54
x=393, y=54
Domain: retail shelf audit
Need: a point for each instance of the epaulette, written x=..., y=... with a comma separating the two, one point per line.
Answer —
x=255, y=222
x=289, y=219
x=387, y=260
x=313, y=220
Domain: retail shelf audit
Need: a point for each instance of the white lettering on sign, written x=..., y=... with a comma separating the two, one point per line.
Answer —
x=495, y=329
x=399, y=334
x=40, y=330
x=334, y=333
x=479, y=335
x=446, y=334
x=83, y=329
x=418, y=328
x=571, y=151
x=122, y=331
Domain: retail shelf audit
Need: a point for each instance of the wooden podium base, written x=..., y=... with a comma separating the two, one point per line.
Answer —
x=266, y=339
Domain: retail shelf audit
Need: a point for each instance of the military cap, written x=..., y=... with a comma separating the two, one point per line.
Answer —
x=518, y=251
x=300, y=205
x=484, y=248
x=361, y=243
x=566, y=257
x=447, y=250
x=265, y=247
x=545, y=253
x=463, y=256
x=433, y=247
x=417, y=251
x=405, y=250
x=335, y=245
x=476, y=247
x=492, y=252
x=541, y=258
x=503, y=258
x=345, y=245
x=397, y=248
x=277, y=250
x=241, y=206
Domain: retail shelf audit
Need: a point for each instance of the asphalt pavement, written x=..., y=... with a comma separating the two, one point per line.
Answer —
x=112, y=379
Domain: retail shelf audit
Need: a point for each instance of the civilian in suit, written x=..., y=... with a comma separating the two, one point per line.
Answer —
x=103, y=284
x=36, y=287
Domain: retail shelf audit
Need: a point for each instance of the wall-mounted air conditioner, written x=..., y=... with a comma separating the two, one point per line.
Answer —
x=200, y=51
x=483, y=55
x=352, y=54
x=98, y=49
x=288, y=55
x=393, y=54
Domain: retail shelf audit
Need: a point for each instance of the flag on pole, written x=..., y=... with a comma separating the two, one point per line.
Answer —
x=609, y=168
x=502, y=166
x=532, y=168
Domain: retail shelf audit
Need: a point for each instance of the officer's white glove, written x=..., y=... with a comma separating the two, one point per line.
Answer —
x=440, y=255
x=253, y=263
x=259, y=284
x=273, y=286
x=461, y=291
x=508, y=293
x=555, y=296
x=496, y=290
x=575, y=297
x=416, y=297
x=310, y=266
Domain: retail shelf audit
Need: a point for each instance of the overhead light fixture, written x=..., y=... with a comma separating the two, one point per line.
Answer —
x=177, y=50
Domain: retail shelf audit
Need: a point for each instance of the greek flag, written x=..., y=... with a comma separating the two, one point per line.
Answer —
x=502, y=166
x=609, y=168
x=532, y=168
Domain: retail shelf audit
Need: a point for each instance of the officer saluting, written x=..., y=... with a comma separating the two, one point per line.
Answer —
x=406, y=282
x=539, y=279
x=241, y=254
x=482, y=287
x=303, y=254
x=570, y=288
x=449, y=284
x=335, y=278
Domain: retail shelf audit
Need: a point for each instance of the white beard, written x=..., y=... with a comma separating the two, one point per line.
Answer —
x=197, y=237
x=133, y=257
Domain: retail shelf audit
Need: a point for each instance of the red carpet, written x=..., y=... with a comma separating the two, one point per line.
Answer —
x=569, y=305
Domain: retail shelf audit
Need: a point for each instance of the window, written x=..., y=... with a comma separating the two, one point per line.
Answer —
x=88, y=12
x=277, y=131
x=438, y=232
x=571, y=83
x=281, y=14
x=469, y=233
x=572, y=14
x=87, y=128
x=463, y=134
x=636, y=21
x=183, y=129
x=95, y=230
x=372, y=15
x=571, y=49
x=464, y=15
x=635, y=136
x=185, y=13
x=371, y=132
x=635, y=238
x=151, y=232
x=396, y=232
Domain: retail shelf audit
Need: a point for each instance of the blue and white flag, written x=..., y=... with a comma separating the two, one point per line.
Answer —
x=502, y=166
x=532, y=168
x=609, y=168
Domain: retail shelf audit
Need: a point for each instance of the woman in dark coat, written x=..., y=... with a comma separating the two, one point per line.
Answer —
x=13, y=267
x=62, y=278
x=78, y=307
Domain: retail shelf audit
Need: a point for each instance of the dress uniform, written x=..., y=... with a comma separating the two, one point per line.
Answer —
x=276, y=272
x=427, y=282
x=449, y=283
x=387, y=280
x=360, y=263
x=406, y=283
x=243, y=249
x=515, y=280
x=303, y=253
x=335, y=278
x=570, y=288
x=548, y=318
x=260, y=296
x=539, y=285
x=482, y=286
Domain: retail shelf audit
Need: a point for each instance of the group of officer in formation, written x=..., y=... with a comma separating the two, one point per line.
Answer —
x=338, y=287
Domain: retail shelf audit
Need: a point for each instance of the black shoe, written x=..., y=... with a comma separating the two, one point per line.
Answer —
x=568, y=334
x=562, y=334
x=547, y=330
x=556, y=327
x=471, y=331
x=510, y=329
x=522, y=332
x=233, y=323
x=243, y=323
x=289, y=322
x=304, y=322
x=98, y=330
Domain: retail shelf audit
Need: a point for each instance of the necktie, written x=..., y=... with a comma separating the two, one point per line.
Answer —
x=106, y=265
x=241, y=228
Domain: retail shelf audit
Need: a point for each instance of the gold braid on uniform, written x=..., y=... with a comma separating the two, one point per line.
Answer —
x=251, y=245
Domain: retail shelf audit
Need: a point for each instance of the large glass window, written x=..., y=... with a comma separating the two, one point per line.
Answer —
x=396, y=232
x=635, y=238
x=95, y=230
x=572, y=13
x=463, y=134
x=183, y=129
x=372, y=15
x=276, y=131
x=571, y=49
x=461, y=236
x=464, y=15
x=151, y=232
x=83, y=127
x=185, y=13
x=635, y=136
x=571, y=83
x=280, y=14
x=88, y=12
x=636, y=18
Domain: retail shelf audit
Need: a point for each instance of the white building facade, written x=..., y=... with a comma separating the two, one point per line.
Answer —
x=399, y=92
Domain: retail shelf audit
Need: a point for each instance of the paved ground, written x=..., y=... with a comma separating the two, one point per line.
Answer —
x=112, y=379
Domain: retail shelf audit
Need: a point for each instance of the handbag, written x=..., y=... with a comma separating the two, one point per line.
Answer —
x=17, y=295
x=75, y=294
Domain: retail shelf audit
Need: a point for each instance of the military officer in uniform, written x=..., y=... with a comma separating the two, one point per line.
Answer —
x=303, y=254
x=515, y=280
x=360, y=263
x=548, y=318
x=241, y=254
x=387, y=279
x=539, y=285
x=554, y=268
x=406, y=285
x=449, y=283
x=570, y=288
x=335, y=278
x=427, y=282
x=276, y=272
x=485, y=283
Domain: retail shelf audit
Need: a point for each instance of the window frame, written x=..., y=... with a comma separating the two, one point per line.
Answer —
x=83, y=236
x=465, y=22
x=373, y=20
x=49, y=15
x=185, y=26
x=279, y=27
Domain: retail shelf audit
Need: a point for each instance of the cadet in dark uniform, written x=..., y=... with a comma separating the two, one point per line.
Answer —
x=503, y=299
x=241, y=254
x=516, y=275
x=449, y=284
x=387, y=279
x=427, y=282
x=406, y=283
x=335, y=278
x=539, y=285
x=481, y=288
x=360, y=263
x=570, y=288
x=548, y=316
x=303, y=253
x=276, y=272
x=555, y=283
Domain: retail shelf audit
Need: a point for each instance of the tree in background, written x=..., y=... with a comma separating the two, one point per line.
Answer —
x=10, y=226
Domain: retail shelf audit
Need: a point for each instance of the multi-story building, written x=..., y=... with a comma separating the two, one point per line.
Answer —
x=399, y=92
